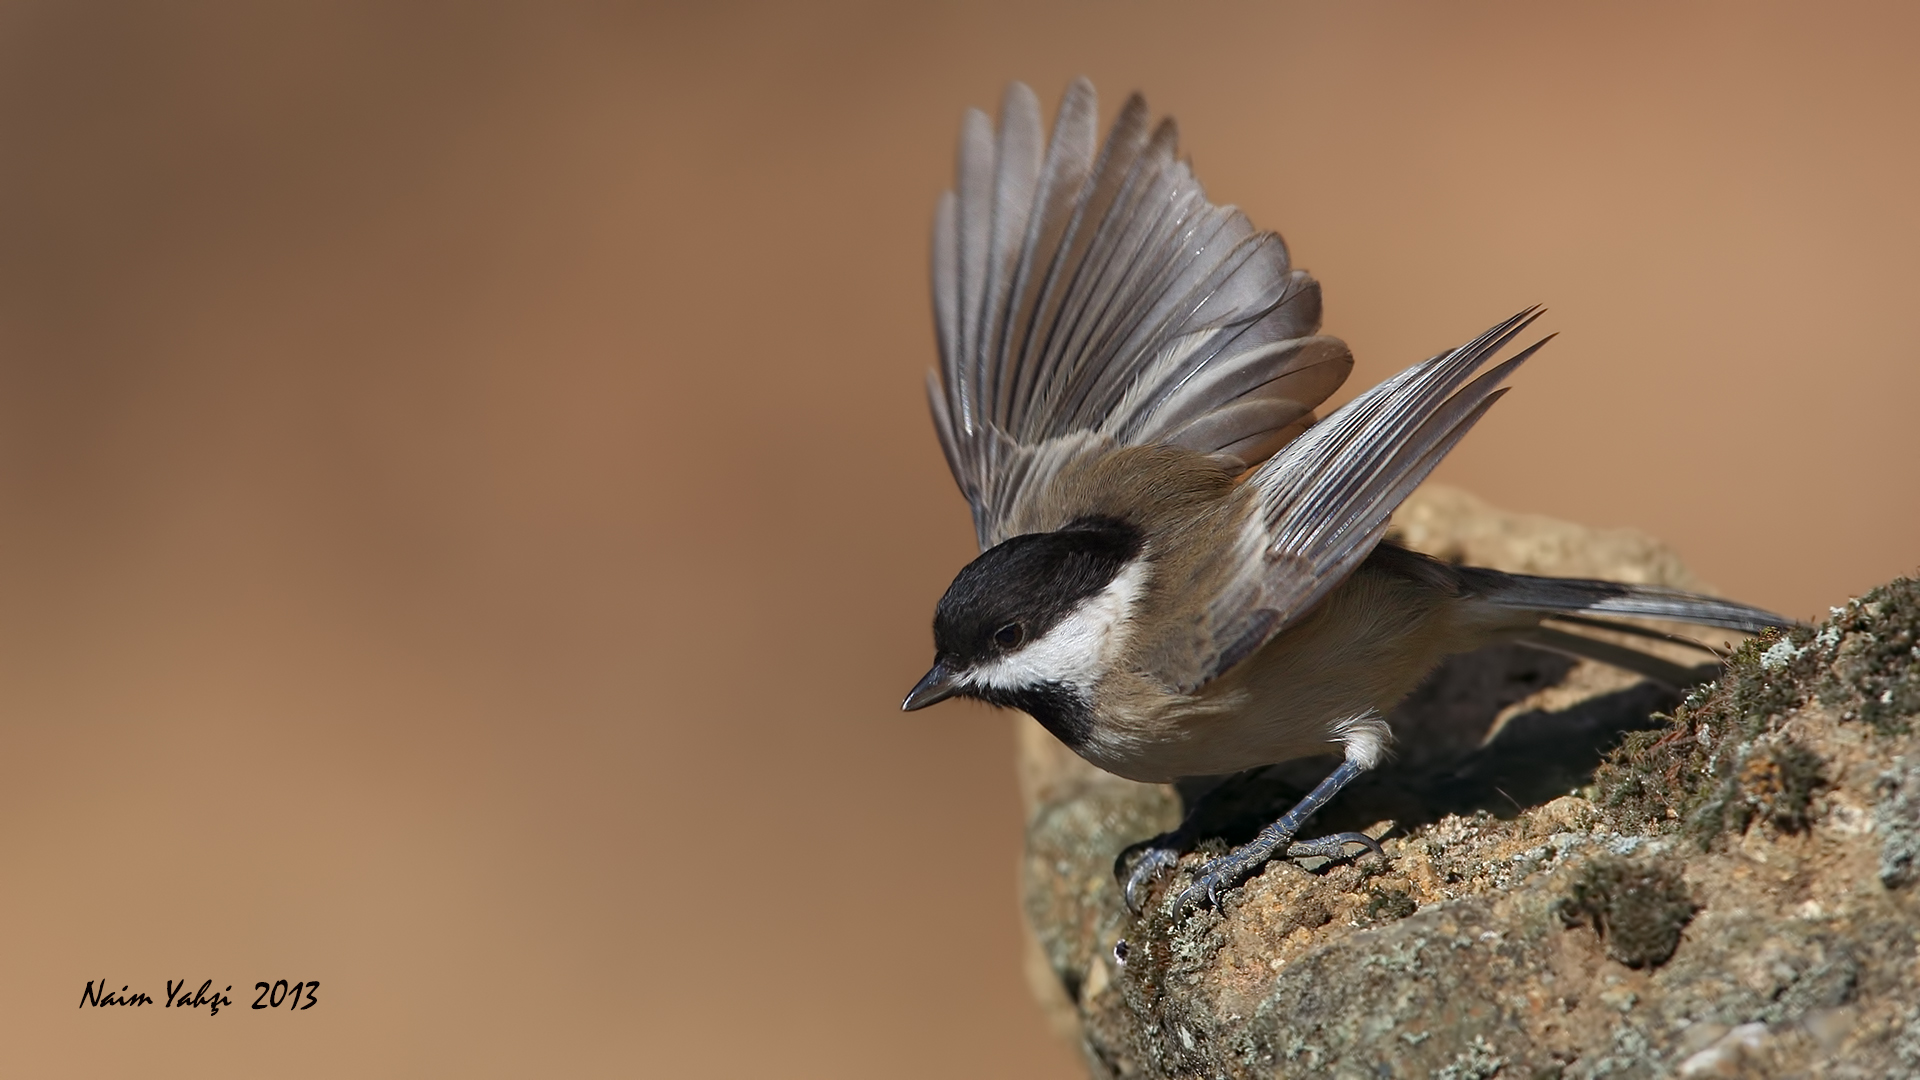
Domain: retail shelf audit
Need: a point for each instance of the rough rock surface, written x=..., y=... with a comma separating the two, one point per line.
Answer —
x=1734, y=892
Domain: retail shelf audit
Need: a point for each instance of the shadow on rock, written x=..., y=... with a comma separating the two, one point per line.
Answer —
x=1443, y=761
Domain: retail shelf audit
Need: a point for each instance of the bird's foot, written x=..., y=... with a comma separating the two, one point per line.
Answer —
x=1223, y=873
x=1157, y=856
x=1334, y=847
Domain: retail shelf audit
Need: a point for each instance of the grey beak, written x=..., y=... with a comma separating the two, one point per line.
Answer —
x=939, y=684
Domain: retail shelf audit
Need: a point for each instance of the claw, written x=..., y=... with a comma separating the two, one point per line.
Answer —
x=1154, y=862
x=1205, y=887
x=1333, y=847
x=1218, y=875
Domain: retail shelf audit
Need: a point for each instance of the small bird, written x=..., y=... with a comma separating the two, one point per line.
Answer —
x=1184, y=572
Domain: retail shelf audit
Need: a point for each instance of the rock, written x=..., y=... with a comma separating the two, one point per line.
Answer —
x=1586, y=876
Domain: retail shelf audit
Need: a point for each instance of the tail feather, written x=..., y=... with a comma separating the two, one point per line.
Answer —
x=1576, y=602
x=1580, y=596
x=1636, y=630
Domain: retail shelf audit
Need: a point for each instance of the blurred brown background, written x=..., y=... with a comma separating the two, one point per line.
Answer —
x=467, y=514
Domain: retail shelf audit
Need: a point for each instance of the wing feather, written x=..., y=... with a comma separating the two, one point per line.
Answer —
x=1016, y=185
x=946, y=302
x=1062, y=180
x=973, y=221
x=1088, y=299
x=1325, y=499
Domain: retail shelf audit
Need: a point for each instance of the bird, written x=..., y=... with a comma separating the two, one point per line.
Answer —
x=1184, y=570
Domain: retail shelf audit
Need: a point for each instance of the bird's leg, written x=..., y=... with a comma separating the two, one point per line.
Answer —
x=1160, y=854
x=1227, y=870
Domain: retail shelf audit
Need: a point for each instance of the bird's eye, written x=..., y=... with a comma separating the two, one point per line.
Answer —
x=1010, y=635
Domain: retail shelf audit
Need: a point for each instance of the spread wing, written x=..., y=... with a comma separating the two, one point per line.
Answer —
x=1090, y=301
x=1324, y=500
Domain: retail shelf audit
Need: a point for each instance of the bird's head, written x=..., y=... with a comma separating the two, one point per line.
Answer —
x=1036, y=618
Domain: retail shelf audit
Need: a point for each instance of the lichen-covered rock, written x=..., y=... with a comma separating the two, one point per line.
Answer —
x=1735, y=892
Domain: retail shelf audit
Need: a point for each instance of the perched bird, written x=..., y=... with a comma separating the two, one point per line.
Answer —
x=1183, y=573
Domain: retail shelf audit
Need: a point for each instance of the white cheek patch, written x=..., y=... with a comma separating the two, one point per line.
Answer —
x=1080, y=648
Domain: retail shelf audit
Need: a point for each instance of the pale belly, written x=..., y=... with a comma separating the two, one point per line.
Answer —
x=1311, y=690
